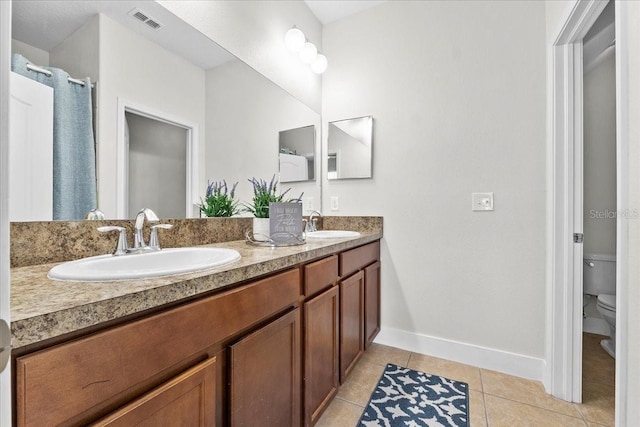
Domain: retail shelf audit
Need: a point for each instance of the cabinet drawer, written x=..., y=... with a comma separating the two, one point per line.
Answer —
x=358, y=258
x=320, y=275
x=189, y=399
x=70, y=383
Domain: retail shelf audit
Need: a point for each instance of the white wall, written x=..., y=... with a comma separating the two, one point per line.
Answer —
x=137, y=70
x=254, y=31
x=457, y=92
x=78, y=54
x=245, y=113
x=600, y=157
x=33, y=54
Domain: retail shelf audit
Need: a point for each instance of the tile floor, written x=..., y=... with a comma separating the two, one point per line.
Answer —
x=496, y=399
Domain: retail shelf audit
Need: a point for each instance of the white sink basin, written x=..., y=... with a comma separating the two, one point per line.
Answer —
x=332, y=234
x=152, y=264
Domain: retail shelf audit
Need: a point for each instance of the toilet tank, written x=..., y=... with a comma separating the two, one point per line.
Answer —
x=599, y=274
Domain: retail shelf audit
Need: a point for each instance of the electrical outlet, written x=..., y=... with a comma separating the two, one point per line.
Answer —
x=308, y=203
x=335, y=205
x=481, y=201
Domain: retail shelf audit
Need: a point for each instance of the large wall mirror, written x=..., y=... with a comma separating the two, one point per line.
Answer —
x=235, y=113
x=350, y=148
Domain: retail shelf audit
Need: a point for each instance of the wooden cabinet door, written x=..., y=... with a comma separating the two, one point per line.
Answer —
x=187, y=400
x=351, y=322
x=371, y=303
x=320, y=353
x=265, y=384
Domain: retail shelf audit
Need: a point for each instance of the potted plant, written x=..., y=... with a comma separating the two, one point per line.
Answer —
x=263, y=194
x=218, y=201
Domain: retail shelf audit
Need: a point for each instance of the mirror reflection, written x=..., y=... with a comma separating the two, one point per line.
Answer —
x=297, y=154
x=233, y=112
x=244, y=114
x=350, y=148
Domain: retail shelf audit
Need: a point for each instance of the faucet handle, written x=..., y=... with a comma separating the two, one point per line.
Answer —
x=122, y=246
x=95, y=214
x=154, y=242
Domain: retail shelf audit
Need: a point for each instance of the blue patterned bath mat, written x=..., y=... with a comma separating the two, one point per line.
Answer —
x=408, y=398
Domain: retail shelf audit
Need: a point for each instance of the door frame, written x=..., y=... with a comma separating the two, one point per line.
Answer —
x=122, y=155
x=5, y=279
x=563, y=374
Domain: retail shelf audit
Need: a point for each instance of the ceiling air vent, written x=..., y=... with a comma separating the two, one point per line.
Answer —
x=143, y=17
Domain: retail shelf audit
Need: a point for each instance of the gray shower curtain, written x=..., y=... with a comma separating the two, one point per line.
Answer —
x=74, y=158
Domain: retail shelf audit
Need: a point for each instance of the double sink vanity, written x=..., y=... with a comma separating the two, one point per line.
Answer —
x=264, y=339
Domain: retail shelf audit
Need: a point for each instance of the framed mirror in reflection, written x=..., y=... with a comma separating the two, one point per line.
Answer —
x=297, y=154
x=350, y=148
x=236, y=111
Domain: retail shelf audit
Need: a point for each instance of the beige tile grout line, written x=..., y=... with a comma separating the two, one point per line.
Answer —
x=352, y=403
x=484, y=401
x=409, y=359
x=538, y=407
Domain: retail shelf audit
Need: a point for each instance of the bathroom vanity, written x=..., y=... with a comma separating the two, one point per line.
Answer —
x=268, y=338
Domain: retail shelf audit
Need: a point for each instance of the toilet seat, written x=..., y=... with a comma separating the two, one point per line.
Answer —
x=607, y=301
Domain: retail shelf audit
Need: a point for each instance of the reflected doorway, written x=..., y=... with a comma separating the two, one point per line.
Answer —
x=157, y=166
x=157, y=163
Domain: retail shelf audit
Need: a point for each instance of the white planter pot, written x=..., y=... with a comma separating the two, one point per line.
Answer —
x=261, y=231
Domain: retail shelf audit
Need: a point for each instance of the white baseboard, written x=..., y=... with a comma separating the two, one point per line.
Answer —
x=594, y=325
x=482, y=357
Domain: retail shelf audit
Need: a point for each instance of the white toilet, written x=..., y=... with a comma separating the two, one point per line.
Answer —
x=599, y=279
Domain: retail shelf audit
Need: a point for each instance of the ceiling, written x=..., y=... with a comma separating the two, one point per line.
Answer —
x=46, y=23
x=328, y=11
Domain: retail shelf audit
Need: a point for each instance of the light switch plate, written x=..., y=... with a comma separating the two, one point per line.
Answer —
x=481, y=201
x=335, y=205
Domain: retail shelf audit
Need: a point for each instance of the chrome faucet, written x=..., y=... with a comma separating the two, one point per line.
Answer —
x=311, y=223
x=138, y=237
x=139, y=246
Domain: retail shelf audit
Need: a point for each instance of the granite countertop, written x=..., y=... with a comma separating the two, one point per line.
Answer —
x=42, y=308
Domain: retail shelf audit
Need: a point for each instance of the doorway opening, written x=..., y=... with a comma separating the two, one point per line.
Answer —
x=564, y=376
x=599, y=210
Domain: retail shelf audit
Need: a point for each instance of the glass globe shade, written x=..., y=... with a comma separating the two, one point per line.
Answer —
x=308, y=53
x=294, y=40
x=319, y=65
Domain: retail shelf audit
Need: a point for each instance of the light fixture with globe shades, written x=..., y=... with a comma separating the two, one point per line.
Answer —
x=308, y=53
x=319, y=65
x=294, y=39
x=297, y=42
